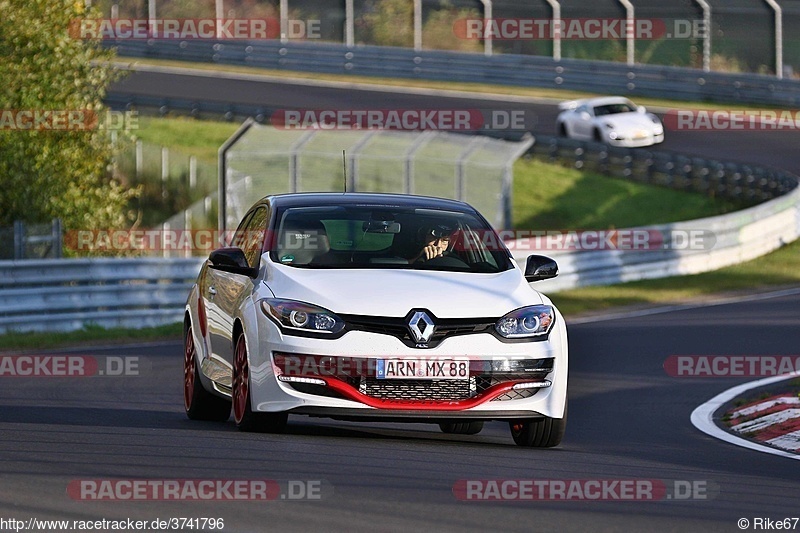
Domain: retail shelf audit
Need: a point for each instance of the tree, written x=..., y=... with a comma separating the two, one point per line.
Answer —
x=43, y=68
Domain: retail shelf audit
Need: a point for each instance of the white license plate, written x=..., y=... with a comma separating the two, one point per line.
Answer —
x=411, y=368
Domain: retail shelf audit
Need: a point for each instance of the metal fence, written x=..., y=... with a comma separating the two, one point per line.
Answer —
x=264, y=160
x=506, y=69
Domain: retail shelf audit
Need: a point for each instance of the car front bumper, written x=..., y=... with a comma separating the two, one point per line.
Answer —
x=356, y=393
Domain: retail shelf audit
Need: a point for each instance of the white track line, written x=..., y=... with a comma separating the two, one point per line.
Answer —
x=702, y=417
x=682, y=307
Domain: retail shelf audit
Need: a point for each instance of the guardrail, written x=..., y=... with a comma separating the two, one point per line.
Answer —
x=726, y=239
x=67, y=294
x=737, y=237
x=503, y=69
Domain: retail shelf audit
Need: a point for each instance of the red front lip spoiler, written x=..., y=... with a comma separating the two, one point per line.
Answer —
x=424, y=405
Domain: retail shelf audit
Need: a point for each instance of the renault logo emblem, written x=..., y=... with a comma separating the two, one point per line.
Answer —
x=421, y=327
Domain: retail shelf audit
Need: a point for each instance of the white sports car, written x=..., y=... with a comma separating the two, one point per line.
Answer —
x=374, y=307
x=613, y=120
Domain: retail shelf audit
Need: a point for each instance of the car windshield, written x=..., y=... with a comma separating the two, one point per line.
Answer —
x=343, y=237
x=613, y=109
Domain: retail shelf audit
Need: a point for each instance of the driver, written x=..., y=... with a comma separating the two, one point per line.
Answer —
x=435, y=241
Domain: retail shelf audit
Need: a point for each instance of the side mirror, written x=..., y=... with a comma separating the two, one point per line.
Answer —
x=585, y=115
x=641, y=109
x=539, y=267
x=232, y=260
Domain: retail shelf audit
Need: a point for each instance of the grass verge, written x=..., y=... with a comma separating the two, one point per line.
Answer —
x=200, y=138
x=548, y=196
x=88, y=336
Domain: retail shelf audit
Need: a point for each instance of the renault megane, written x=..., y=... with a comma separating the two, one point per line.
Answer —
x=374, y=307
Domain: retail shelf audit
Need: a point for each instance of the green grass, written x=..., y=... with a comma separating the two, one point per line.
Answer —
x=87, y=336
x=548, y=196
x=774, y=270
x=200, y=138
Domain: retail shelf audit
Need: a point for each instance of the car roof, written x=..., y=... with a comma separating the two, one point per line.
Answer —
x=606, y=100
x=366, y=199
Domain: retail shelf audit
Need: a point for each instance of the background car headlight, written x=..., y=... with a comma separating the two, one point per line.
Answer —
x=533, y=321
x=301, y=317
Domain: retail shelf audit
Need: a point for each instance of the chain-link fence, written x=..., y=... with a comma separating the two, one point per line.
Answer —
x=472, y=168
x=264, y=161
x=31, y=241
x=169, y=179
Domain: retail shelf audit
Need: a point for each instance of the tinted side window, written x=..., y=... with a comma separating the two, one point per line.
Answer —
x=240, y=236
x=254, y=235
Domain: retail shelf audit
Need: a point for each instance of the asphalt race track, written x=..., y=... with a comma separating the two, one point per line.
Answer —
x=768, y=148
x=628, y=420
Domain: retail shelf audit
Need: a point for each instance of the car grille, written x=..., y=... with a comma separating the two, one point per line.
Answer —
x=397, y=327
x=483, y=376
x=413, y=389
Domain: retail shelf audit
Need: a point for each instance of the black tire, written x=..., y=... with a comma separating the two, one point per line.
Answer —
x=198, y=402
x=539, y=432
x=562, y=130
x=598, y=137
x=462, y=428
x=245, y=418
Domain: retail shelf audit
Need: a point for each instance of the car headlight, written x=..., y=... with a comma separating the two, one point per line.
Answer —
x=533, y=321
x=609, y=125
x=654, y=118
x=300, y=317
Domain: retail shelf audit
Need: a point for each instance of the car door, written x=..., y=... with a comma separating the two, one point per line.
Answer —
x=231, y=289
x=218, y=320
x=583, y=127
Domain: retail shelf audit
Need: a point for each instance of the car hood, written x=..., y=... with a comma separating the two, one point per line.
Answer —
x=628, y=121
x=385, y=292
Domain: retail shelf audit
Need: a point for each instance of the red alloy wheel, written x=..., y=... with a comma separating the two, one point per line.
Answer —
x=189, y=371
x=241, y=380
